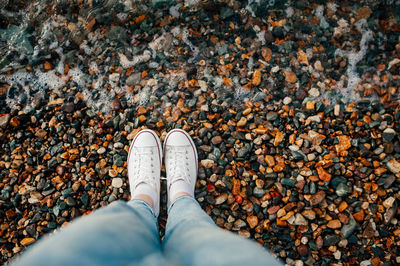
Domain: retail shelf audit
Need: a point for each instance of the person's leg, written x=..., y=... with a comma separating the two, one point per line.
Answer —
x=122, y=233
x=192, y=238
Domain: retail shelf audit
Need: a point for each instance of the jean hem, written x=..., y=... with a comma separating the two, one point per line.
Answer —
x=145, y=203
x=179, y=199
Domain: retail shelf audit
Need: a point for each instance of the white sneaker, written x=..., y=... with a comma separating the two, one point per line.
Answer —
x=180, y=163
x=144, y=166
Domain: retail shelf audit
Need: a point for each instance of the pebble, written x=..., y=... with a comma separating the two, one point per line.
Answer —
x=269, y=160
x=242, y=122
x=289, y=155
x=313, y=92
x=290, y=76
x=216, y=140
x=41, y=133
x=272, y=116
x=309, y=214
x=101, y=150
x=394, y=166
x=300, y=220
x=342, y=190
x=4, y=120
x=287, y=100
x=252, y=221
x=117, y=182
x=302, y=250
x=331, y=240
x=388, y=134
x=207, y=163
x=334, y=224
x=27, y=241
x=317, y=198
x=348, y=228
x=258, y=192
x=221, y=199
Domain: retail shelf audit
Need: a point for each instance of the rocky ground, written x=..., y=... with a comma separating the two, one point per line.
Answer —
x=293, y=106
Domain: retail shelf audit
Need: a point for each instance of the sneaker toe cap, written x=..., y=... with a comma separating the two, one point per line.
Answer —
x=177, y=138
x=146, y=138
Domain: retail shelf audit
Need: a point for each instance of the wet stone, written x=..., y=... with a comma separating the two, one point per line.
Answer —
x=68, y=107
x=70, y=201
x=84, y=199
x=386, y=182
x=117, y=33
x=115, y=104
x=388, y=134
x=349, y=228
x=394, y=166
x=258, y=192
x=244, y=150
x=342, y=190
x=272, y=116
x=101, y=150
x=317, y=198
x=288, y=182
x=216, y=140
x=117, y=160
x=331, y=240
x=4, y=120
x=282, y=142
x=302, y=250
x=134, y=79
x=226, y=13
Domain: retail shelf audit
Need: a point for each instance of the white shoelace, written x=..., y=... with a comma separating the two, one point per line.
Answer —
x=145, y=161
x=178, y=164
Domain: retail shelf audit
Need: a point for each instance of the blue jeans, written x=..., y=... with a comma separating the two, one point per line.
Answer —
x=126, y=233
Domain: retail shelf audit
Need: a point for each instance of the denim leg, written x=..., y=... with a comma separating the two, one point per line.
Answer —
x=192, y=238
x=119, y=234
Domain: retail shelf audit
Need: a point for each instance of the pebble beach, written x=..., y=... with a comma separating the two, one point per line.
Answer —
x=294, y=108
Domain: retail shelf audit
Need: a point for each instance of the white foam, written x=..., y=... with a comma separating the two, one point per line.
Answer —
x=191, y=2
x=174, y=10
x=60, y=65
x=175, y=78
x=50, y=79
x=176, y=31
x=122, y=16
x=289, y=12
x=53, y=45
x=85, y=48
x=33, y=85
x=94, y=67
x=354, y=58
x=261, y=37
x=319, y=12
x=157, y=43
x=343, y=27
x=332, y=6
x=248, y=8
x=137, y=59
x=77, y=75
x=144, y=96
